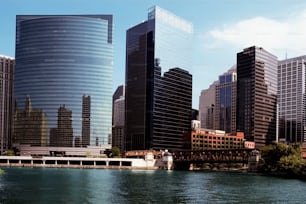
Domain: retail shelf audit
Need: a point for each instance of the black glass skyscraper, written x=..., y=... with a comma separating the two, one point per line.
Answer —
x=256, y=95
x=164, y=40
x=61, y=58
x=171, y=109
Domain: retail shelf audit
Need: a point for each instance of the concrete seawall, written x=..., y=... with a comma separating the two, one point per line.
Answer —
x=77, y=162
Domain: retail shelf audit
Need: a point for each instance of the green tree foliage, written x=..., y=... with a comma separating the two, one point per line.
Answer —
x=282, y=159
x=292, y=164
x=115, y=151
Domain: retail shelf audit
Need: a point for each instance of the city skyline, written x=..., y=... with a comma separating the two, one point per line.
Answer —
x=220, y=30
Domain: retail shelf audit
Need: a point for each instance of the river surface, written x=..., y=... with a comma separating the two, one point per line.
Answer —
x=56, y=185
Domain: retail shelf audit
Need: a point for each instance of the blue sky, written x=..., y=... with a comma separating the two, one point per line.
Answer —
x=221, y=28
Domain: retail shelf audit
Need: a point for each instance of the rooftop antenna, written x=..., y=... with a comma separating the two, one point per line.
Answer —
x=286, y=54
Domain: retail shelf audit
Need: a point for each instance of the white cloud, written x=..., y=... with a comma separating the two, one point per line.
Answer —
x=273, y=35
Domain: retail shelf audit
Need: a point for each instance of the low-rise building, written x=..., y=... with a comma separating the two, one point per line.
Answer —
x=204, y=139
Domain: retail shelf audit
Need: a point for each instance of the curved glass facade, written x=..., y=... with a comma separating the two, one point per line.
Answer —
x=63, y=80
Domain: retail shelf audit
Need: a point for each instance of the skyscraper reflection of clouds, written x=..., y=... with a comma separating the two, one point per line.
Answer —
x=64, y=66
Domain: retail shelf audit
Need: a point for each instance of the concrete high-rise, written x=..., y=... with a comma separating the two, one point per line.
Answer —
x=59, y=59
x=165, y=38
x=207, y=102
x=7, y=66
x=118, y=118
x=225, y=106
x=291, y=99
x=119, y=111
x=256, y=95
x=120, y=91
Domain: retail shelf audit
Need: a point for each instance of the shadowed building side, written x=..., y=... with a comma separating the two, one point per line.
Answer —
x=172, y=109
x=7, y=66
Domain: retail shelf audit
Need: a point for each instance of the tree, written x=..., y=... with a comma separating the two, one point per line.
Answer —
x=283, y=159
x=115, y=151
x=292, y=164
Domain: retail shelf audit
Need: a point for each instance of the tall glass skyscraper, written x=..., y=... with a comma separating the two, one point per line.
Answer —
x=291, y=99
x=256, y=95
x=225, y=107
x=165, y=38
x=64, y=66
x=171, y=108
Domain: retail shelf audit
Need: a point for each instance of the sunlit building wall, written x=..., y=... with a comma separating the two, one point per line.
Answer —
x=291, y=99
x=204, y=139
x=207, y=101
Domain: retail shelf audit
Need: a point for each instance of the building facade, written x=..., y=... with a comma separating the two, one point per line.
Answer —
x=172, y=109
x=207, y=102
x=291, y=99
x=157, y=39
x=256, y=95
x=62, y=136
x=7, y=66
x=118, y=121
x=60, y=59
x=225, y=106
x=64, y=127
x=120, y=91
x=205, y=139
x=30, y=125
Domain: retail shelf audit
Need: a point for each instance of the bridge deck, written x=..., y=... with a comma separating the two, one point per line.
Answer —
x=213, y=156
